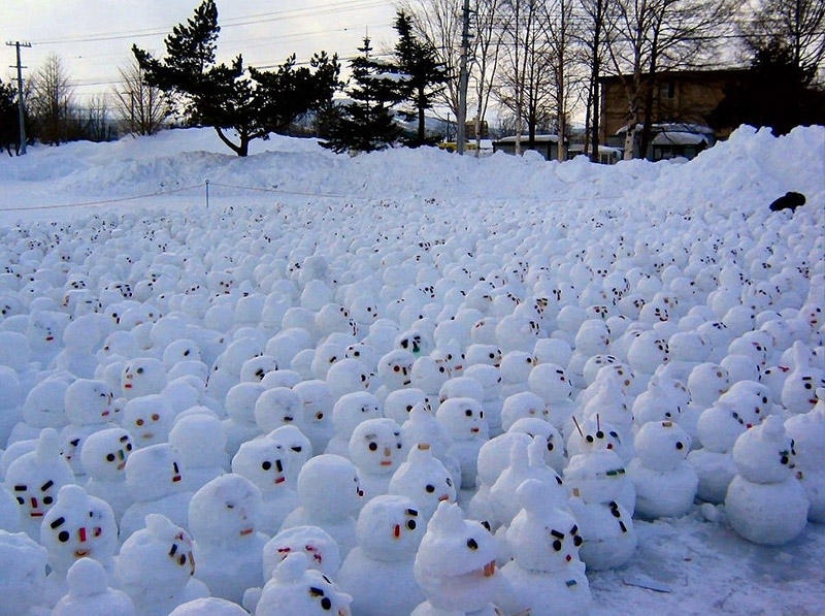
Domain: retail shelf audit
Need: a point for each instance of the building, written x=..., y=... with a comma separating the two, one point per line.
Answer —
x=683, y=104
x=546, y=145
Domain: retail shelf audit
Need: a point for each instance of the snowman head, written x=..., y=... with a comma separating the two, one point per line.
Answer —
x=105, y=452
x=662, y=445
x=550, y=381
x=154, y=472
x=276, y=407
x=148, y=419
x=36, y=477
x=424, y=479
x=295, y=589
x=321, y=549
x=390, y=528
x=765, y=453
x=264, y=462
x=376, y=446
x=329, y=487
x=463, y=418
x=142, y=376
x=225, y=510
x=89, y=401
x=78, y=526
x=157, y=558
x=521, y=405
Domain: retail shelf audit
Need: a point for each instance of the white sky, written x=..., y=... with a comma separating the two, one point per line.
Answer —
x=93, y=37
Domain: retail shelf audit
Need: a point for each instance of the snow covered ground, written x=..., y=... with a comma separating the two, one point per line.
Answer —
x=418, y=214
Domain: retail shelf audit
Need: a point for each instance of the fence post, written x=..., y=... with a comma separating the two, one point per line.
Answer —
x=207, y=194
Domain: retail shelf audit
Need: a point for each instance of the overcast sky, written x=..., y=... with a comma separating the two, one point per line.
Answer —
x=93, y=37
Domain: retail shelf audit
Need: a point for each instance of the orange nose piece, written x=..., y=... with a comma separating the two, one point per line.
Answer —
x=397, y=531
x=490, y=569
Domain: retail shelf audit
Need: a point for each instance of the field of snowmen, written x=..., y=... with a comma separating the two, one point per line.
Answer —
x=411, y=383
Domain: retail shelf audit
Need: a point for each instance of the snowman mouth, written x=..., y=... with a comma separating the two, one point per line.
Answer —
x=279, y=480
x=36, y=514
x=568, y=558
x=176, y=479
x=49, y=338
x=127, y=386
x=81, y=553
x=386, y=462
x=474, y=430
x=246, y=531
x=121, y=466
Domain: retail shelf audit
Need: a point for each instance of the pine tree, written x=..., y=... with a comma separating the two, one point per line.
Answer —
x=424, y=76
x=367, y=122
x=9, y=118
x=250, y=102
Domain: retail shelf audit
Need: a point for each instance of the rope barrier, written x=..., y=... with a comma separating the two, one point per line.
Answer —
x=159, y=193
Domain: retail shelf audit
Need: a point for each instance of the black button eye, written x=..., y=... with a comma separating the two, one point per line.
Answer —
x=679, y=445
x=557, y=545
x=577, y=541
x=48, y=500
x=411, y=524
x=373, y=446
x=472, y=544
x=326, y=603
x=266, y=465
x=63, y=536
x=110, y=457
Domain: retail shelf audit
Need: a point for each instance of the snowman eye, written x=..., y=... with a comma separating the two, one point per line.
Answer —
x=155, y=416
x=679, y=445
x=468, y=413
x=110, y=457
x=430, y=488
x=411, y=524
x=139, y=422
x=557, y=545
x=373, y=446
x=139, y=371
x=472, y=544
x=266, y=465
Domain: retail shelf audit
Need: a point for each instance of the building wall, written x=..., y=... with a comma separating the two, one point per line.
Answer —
x=678, y=97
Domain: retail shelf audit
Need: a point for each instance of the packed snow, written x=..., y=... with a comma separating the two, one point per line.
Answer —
x=256, y=366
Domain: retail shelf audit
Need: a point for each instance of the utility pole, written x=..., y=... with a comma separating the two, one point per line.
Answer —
x=21, y=110
x=463, y=80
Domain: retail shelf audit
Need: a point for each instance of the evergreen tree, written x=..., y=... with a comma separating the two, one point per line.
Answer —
x=367, y=122
x=252, y=103
x=9, y=118
x=424, y=77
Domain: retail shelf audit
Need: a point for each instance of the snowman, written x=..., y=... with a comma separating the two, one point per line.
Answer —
x=77, y=526
x=400, y=403
x=808, y=432
x=422, y=428
x=551, y=383
x=315, y=542
x=424, y=479
x=155, y=567
x=665, y=482
x=44, y=407
x=706, y=383
x=349, y=411
x=394, y=372
x=546, y=575
x=23, y=563
x=278, y=406
x=148, y=419
x=523, y=404
x=316, y=406
x=378, y=572
x=799, y=387
x=154, y=478
x=295, y=589
x=104, y=456
x=463, y=419
x=199, y=437
x=264, y=461
x=240, y=425
x=228, y=549
x=455, y=566
x=525, y=463
x=376, y=448
x=89, y=406
x=142, y=376
x=743, y=406
x=35, y=478
x=89, y=595
x=595, y=481
x=329, y=489
x=765, y=502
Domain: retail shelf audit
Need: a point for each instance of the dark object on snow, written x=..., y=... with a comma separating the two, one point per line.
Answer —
x=789, y=201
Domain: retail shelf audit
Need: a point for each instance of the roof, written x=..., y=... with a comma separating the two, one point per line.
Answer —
x=525, y=139
x=678, y=138
x=662, y=75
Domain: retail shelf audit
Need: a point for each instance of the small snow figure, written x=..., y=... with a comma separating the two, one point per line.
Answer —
x=104, y=456
x=456, y=566
x=142, y=376
x=154, y=478
x=315, y=542
x=297, y=590
x=808, y=432
x=424, y=479
x=464, y=420
x=223, y=518
x=89, y=595
x=329, y=489
x=765, y=502
x=375, y=447
x=200, y=440
x=595, y=480
x=23, y=563
x=789, y=201
x=148, y=419
x=546, y=576
x=264, y=462
x=155, y=567
x=89, y=407
x=35, y=479
x=378, y=573
x=349, y=411
x=665, y=482
x=77, y=526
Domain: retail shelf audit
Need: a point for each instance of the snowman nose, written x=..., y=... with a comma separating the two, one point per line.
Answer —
x=82, y=534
